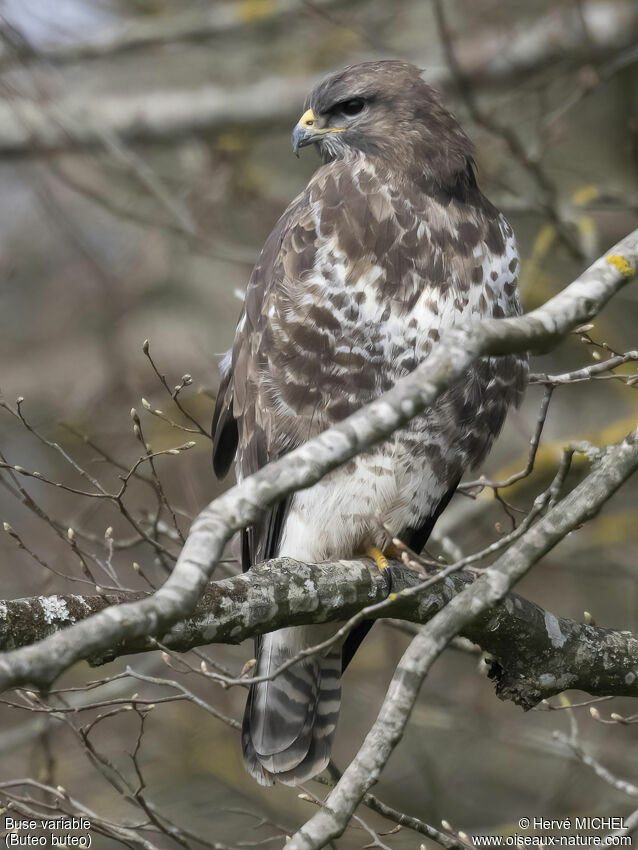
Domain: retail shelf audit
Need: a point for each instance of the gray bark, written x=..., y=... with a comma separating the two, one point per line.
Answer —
x=534, y=653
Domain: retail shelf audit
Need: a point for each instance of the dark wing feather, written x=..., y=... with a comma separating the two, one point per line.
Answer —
x=260, y=542
x=245, y=426
x=224, y=428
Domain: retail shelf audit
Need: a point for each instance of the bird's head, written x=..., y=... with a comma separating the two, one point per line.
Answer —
x=386, y=110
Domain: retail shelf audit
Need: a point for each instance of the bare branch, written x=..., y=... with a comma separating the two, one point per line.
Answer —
x=589, y=372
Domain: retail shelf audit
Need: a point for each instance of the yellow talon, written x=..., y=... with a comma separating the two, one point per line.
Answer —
x=378, y=557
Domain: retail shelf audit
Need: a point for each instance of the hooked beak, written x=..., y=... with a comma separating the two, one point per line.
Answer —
x=306, y=131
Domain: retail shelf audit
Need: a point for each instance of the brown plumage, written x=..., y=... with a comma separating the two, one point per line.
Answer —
x=390, y=243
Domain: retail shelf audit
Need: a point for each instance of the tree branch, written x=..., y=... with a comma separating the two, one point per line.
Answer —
x=240, y=506
x=139, y=33
x=535, y=654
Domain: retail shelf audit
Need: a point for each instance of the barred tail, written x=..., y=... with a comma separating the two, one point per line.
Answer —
x=289, y=722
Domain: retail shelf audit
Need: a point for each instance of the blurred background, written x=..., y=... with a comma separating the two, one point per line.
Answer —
x=144, y=158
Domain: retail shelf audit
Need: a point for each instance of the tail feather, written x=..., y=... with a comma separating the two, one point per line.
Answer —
x=289, y=722
x=282, y=709
x=324, y=726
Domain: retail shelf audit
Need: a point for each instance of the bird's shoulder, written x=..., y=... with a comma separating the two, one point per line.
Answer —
x=288, y=250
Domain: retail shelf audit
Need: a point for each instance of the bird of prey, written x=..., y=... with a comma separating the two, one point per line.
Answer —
x=390, y=244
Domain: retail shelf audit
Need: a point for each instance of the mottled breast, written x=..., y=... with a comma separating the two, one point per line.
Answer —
x=367, y=281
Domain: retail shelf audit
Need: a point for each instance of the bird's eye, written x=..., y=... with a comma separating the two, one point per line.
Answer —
x=352, y=107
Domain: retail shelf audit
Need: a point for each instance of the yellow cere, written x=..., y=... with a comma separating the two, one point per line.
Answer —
x=307, y=119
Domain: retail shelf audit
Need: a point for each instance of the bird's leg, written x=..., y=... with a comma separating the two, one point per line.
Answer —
x=378, y=557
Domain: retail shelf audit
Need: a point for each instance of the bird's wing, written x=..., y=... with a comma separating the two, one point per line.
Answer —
x=247, y=426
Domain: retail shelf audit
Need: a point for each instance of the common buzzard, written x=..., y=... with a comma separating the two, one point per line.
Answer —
x=390, y=244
